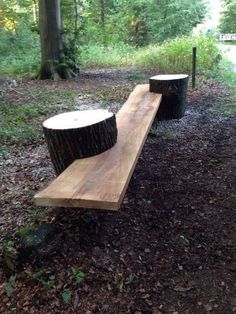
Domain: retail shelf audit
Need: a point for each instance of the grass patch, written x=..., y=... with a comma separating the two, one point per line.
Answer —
x=227, y=110
x=21, y=64
x=176, y=56
x=173, y=56
x=18, y=123
x=48, y=96
x=225, y=73
x=105, y=57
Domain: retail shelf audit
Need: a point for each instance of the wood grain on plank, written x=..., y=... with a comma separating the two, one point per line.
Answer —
x=101, y=181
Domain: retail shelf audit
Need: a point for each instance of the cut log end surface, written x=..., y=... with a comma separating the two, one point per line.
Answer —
x=76, y=119
x=169, y=77
x=79, y=134
x=173, y=88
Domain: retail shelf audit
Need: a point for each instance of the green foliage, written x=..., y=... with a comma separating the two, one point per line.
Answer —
x=173, y=56
x=15, y=13
x=228, y=109
x=176, y=56
x=140, y=22
x=19, y=40
x=101, y=56
x=10, y=285
x=27, y=229
x=228, y=19
x=166, y=18
x=106, y=33
x=47, y=282
x=9, y=243
x=93, y=29
x=78, y=275
x=225, y=73
x=17, y=123
x=19, y=52
x=66, y=295
x=215, y=161
x=35, y=214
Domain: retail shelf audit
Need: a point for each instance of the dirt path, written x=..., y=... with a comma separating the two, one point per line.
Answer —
x=171, y=246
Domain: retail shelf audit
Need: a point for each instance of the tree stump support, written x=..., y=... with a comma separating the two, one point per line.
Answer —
x=174, y=92
x=102, y=180
x=79, y=134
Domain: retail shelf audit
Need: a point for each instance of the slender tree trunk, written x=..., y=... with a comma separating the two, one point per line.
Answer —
x=35, y=12
x=52, y=55
x=102, y=4
x=76, y=9
x=102, y=20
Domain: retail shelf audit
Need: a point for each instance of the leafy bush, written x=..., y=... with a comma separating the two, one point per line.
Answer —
x=173, y=56
x=176, y=56
x=101, y=56
x=225, y=74
x=19, y=52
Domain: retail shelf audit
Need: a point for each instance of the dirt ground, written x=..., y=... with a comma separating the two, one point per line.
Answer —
x=171, y=246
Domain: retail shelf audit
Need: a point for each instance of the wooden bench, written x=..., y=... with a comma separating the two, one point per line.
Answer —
x=101, y=181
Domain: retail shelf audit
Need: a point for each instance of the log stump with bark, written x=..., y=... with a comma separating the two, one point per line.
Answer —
x=174, y=93
x=79, y=134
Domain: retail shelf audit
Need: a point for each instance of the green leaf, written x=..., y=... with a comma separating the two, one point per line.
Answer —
x=215, y=161
x=10, y=285
x=79, y=275
x=66, y=295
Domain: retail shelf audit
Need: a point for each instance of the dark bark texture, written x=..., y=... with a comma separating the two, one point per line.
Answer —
x=67, y=145
x=174, y=94
x=53, y=65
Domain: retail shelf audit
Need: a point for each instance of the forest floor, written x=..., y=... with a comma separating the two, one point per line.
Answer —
x=171, y=246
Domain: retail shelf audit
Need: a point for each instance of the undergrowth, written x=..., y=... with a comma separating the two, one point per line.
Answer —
x=19, y=53
x=225, y=74
x=227, y=109
x=173, y=56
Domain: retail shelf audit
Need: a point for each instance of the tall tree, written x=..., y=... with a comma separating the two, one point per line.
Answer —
x=140, y=22
x=169, y=19
x=54, y=61
x=228, y=19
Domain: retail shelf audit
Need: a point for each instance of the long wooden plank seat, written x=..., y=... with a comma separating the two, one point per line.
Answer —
x=101, y=181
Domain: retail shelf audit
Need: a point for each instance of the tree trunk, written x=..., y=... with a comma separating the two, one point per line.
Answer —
x=79, y=134
x=52, y=55
x=102, y=21
x=174, y=92
x=35, y=12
